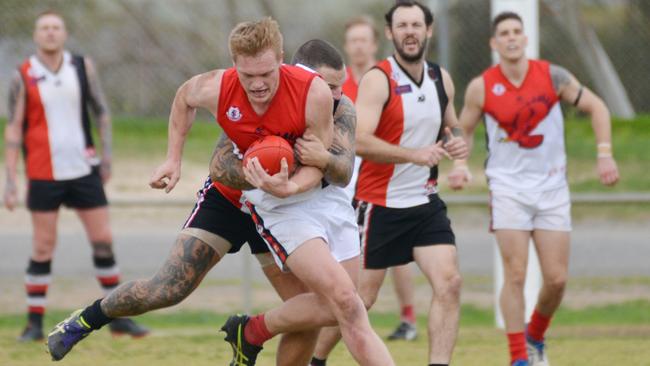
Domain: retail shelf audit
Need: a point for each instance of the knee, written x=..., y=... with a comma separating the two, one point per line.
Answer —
x=449, y=288
x=369, y=300
x=347, y=301
x=556, y=283
x=515, y=277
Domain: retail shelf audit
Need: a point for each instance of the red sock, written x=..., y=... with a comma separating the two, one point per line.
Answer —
x=256, y=332
x=408, y=314
x=537, y=326
x=517, y=345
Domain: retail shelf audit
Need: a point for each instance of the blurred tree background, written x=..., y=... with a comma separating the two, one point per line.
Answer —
x=146, y=48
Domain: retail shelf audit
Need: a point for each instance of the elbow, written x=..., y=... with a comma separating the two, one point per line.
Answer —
x=341, y=180
x=361, y=147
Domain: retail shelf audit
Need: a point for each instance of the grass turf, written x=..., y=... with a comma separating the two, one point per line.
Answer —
x=606, y=335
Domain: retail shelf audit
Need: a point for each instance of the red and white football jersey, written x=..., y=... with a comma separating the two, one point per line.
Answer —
x=525, y=131
x=57, y=140
x=411, y=118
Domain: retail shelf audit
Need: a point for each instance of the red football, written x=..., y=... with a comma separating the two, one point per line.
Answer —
x=270, y=150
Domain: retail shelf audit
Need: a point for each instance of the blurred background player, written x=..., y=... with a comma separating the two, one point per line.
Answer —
x=360, y=46
x=402, y=110
x=49, y=99
x=526, y=172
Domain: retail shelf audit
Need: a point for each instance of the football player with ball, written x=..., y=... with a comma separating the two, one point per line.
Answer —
x=258, y=97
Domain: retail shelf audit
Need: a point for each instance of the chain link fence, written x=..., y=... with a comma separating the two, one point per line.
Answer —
x=144, y=49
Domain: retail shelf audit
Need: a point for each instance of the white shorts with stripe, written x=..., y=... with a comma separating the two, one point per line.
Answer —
x=547, y=210
x=329, y=216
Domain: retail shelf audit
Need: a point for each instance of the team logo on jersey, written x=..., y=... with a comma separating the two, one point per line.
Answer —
x=498, y=89
x=403, y=89
x=234, y=114
x=522, y=125
x=431, y=187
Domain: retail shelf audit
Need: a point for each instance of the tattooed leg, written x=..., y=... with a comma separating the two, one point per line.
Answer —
x=189, y=261
x=102, y=249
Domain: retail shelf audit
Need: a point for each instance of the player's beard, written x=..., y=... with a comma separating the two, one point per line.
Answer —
x=410, y=58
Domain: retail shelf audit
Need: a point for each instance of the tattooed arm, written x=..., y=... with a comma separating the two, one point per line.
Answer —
x=337, y=162
x=226, y=165
x=102, y=116
x=13, y=138
x=189, y=261
x=569, y=89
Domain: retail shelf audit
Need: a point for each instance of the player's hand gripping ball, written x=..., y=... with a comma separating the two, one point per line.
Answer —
x=270, y=150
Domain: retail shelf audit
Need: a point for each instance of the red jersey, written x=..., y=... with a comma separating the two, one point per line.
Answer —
x=350, y=87
x=284, y=117
x=525, y=131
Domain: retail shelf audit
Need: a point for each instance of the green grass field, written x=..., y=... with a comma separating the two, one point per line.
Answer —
x=611, y=335
x=144, y=139
x=138, y=138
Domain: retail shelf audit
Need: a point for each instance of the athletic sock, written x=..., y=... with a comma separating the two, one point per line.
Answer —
x=538, y=325
x=317, y=362
x=94, y=316
x=408, y=314
x=37, y=281
x=256, y=332
x=517, y=345
x=108, y=274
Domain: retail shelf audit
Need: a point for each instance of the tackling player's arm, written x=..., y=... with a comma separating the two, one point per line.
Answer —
x=453, y=135
x=337, y=162
x=102, y=116
x=226, y=165
x=13, y=138
x=318, y=120
x=201, y=91
x=470, y=116
x=569, y=89
x=373, y=94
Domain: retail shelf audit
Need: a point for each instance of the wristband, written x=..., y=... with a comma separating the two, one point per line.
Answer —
x=604, y=150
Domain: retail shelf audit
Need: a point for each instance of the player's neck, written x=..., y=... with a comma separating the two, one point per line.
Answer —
x=359, y=69
x=515, y=71
x=261, y=107
x=414, y=69
x=51, y=60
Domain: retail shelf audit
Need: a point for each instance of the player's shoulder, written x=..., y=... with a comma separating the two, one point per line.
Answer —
x=475, y=91
x=319, y=91
x=476, y=82
x=375, y=75
x=205, y=84
x=298, y=72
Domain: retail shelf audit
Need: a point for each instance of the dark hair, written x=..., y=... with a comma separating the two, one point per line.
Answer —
x=317, y=53
x=428, y=15
x=504, y=16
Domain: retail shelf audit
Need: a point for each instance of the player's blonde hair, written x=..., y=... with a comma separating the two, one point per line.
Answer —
x=49, y=13
x=251, y=38
x=363, y=20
